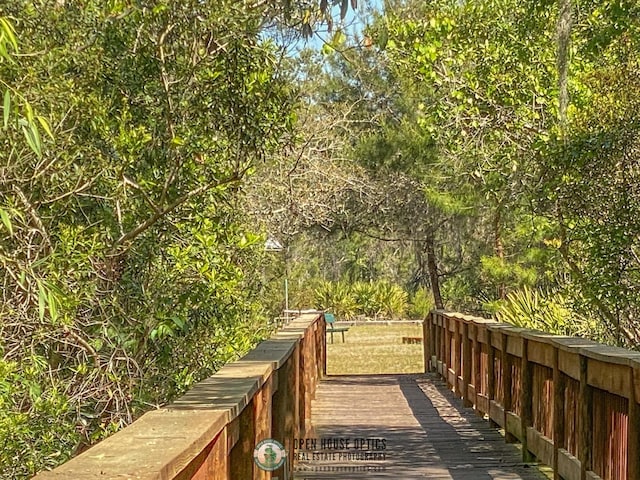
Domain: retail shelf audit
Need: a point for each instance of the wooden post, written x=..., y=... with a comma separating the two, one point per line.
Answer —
x=426, y=342
x=585, y=435
x=241, y=456
x=526, y=387
x=263, y=418
x=283, y=418
x=457, y=360
x=433, y=339
x=477, y=372
x=298, y=391
x=558, y=412
x=446, y=361
x=507, y=381
x=491, y=380
x=442, y=339
x=322, y=333
x=438, y=341
x=220, y=459
x=466, y=365
x=633, y=429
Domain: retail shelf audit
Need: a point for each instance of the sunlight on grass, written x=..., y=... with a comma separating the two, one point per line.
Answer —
x=376, y=349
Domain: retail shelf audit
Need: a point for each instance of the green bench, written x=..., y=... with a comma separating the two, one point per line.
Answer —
x=331, y=328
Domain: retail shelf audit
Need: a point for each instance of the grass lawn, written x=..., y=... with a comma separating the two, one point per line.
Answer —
x=376, y=348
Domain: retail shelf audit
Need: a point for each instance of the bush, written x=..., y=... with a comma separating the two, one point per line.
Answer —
x=370, y=299
x=548, y=312
x=421, y=304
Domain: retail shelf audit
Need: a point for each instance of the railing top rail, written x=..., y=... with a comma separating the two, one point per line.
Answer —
x=581, y=346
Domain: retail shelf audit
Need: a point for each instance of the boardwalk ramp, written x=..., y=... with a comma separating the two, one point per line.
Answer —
x=403, y=427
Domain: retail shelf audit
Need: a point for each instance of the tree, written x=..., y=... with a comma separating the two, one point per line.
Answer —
x=125, y=270
x=591, y=178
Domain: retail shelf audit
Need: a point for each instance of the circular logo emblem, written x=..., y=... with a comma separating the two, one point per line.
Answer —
x=269, y=454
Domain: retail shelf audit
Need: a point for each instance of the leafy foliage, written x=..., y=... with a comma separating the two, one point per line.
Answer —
x=512, y=164
x=550, y=313
x=126, y=256
x=379, y=299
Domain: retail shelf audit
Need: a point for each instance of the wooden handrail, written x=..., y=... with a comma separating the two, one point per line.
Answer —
x=211, y=432
x=574, y=404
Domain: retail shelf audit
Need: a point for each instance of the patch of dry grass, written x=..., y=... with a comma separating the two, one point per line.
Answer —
x=376, y=348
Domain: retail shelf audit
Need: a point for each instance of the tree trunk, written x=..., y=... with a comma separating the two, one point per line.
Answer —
x=499, y=249
x=432, y=268
x=563, y=38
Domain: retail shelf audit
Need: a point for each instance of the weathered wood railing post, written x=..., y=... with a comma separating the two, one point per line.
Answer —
x=526, y=387
x=633, y=432
x=436, y=353
x=466, y=364
x=491, y=375
x=427, y=341
x=285, y=405
x=585, y=427
x=558, y=413
x=442, y=339
x=457, y=356
x=446, y=361
x=634, y=422
x=477, y=367
x=507, y=387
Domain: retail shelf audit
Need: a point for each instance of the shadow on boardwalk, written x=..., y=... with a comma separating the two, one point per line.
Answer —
x=426, y=432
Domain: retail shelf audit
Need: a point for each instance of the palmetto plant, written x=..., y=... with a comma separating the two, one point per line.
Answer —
x=370, y=299
x=391, y=299
x=528, y=308
x=421, y=303
x=364, y=295
x=337, y=297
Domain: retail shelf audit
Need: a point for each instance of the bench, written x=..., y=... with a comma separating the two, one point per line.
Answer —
x=331, y=328
x=411, y=340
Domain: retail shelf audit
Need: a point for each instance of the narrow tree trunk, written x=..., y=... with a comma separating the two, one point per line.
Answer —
x=499, y=249
x=563, y=33
x=432, y=268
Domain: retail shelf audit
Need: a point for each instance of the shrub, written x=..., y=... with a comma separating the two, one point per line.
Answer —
x=548, y=312
x=370, y=299
x=421, y=304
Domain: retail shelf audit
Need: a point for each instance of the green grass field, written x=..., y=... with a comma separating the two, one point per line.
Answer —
x=376, y=348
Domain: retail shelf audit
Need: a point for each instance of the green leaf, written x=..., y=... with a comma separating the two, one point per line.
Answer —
x=35, y=391
x=45, y=126
x=8, y=31
x=3, y=50
x=53, y=308
x=4, y=216
x=42, y=300
x=28, y=112
x=33, y=138
x=178, y=322
x=6, y=108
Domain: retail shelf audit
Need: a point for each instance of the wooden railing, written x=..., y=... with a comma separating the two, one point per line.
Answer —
x=572, y=403
x=211, y=432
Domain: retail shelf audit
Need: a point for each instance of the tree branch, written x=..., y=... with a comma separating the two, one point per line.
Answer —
x=144, y=226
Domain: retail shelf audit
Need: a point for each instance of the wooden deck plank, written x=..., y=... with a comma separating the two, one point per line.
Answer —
x=427, y=433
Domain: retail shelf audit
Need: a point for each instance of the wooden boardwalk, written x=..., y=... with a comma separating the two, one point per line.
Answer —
x=422, y=432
